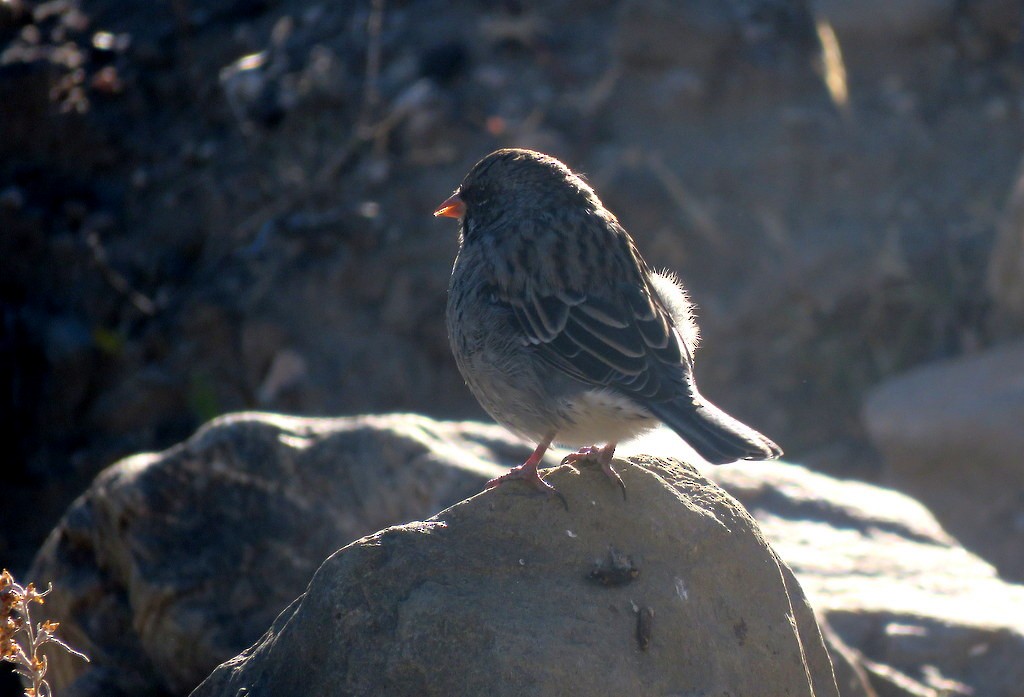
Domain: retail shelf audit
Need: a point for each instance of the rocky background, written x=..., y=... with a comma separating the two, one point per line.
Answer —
x=209, y=207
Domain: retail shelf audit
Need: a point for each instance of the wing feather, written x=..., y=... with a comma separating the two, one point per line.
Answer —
x=617, y=337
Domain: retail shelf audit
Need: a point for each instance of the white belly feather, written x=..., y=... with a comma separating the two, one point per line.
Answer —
x=597, y=417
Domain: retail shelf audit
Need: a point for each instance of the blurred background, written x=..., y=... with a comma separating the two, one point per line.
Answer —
x=219, y=206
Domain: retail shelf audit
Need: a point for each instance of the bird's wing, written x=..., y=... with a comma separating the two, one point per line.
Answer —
x=619, y=337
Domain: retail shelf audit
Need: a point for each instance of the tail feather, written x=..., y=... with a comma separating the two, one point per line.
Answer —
x=716, y=436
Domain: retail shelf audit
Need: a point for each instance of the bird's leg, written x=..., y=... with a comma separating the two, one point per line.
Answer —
x=527, y=472
x=602, y=456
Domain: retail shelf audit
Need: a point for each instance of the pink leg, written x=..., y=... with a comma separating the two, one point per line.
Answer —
x=602, y=456
x=527, y=472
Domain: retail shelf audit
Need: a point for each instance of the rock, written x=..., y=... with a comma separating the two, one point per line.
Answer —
x=847, y=664
x=909, y=606
x=496, y=596
x=173, y=562
x=918, y=610
x=951, y=435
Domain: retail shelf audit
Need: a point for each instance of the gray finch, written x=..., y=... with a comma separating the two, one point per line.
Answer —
x=560, y=328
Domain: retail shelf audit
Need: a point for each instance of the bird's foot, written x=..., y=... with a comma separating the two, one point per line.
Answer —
x=602, y=456
x=528, y=474
x=590, y=453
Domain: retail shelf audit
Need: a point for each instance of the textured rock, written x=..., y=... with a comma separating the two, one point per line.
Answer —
x=921, y=610
x=173, y=562
x=952, y=435
x=496, y=596
x=910, y=607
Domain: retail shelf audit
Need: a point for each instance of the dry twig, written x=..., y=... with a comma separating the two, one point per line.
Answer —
x=20, y=640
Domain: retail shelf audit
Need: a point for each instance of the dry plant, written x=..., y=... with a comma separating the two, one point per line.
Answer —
x=20, y=640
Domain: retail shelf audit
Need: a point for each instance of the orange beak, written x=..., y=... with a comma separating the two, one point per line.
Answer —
x=453, y=207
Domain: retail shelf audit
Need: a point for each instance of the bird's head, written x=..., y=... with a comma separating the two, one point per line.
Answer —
x=514, y=185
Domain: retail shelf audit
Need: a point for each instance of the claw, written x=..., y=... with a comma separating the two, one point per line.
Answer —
x=589, y=453
x=602, y=456
x=607, y=468
x=528, y=474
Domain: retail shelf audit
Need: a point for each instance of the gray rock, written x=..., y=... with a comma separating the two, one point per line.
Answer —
x=952, y=435
x=917, y=610
x=497, y=595
x=920, y=609
x=173, y=562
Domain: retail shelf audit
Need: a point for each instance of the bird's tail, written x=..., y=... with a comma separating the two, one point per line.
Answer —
x=716, y=436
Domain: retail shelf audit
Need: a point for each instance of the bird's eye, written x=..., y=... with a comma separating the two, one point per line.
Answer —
x=473, y=196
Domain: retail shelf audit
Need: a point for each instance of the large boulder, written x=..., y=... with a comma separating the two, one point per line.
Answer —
x=952, y=434
x=174, y=562
x=673, y=591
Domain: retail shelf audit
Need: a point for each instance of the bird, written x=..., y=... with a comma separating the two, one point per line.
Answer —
x=563, y=332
